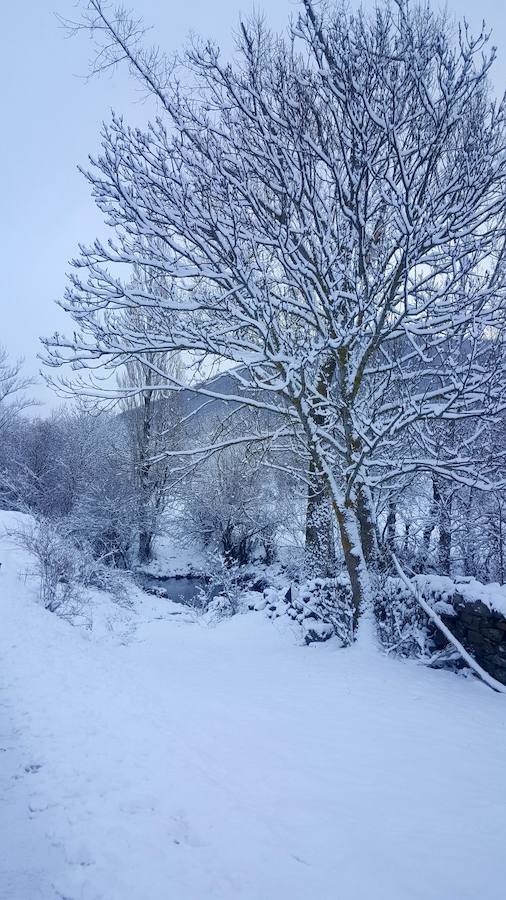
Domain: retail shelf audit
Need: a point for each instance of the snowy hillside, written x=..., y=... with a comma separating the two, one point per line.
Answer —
x=154, y=757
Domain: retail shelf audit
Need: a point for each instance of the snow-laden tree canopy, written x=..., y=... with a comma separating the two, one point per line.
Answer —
x=324, y=214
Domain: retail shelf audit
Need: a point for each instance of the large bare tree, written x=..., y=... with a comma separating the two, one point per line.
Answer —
x=325, y=215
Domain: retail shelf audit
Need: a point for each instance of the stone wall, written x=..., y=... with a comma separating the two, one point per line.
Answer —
x=482, y=632
x=322, y=610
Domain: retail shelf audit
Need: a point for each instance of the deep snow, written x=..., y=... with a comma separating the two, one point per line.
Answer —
x=155, y=758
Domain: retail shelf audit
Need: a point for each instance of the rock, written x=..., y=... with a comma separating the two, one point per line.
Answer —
x=259, y=586
x=157, y=592
x=494, y=634
x=317, y=632
x=260, y=604
x=500, y=663
x=309, y=614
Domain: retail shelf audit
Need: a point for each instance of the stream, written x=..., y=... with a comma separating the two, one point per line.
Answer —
x=179, y=588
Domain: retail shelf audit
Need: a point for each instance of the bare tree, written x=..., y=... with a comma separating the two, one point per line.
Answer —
x=327, y=216
x=12, y=389
x=152, y=419
x=232, y=509
x=12, y=401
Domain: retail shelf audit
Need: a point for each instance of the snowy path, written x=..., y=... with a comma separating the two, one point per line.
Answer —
x=186, y=763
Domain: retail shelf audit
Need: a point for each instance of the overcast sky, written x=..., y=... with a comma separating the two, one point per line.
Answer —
x=52, y=116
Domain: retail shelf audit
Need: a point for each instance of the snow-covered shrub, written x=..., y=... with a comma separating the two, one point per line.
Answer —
x=104, y=517
x=322, y=607
x=232, y=509
x=210, y=607
x=403, y=627
x=220, y=607
x=93, y=573
x=74, y=468
x=224, y=592
x=66, y=568
x=57, y=566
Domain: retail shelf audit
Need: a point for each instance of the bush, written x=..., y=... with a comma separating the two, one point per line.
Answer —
x=403, y=627
x=223, y=593
x=58, y=567
x=66, y=567
x=233, y=509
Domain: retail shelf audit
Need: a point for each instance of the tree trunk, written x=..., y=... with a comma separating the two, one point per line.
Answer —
x=320, y=551
x=391, y=526
x=349, y=528
x=145, y=533
x=367, y=524
x=469, y=539
x=500, y=543
x=145, y=542
x=445, y=531
x=405, y=543
x=440, y=515
x=434, y=515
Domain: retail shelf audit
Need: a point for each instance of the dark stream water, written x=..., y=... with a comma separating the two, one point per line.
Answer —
x=180, y=588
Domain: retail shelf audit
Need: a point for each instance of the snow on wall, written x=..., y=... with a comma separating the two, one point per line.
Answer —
x=493, y=595
x=475, y=613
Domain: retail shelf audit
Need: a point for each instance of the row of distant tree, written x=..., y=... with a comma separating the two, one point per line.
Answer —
x=120, y=478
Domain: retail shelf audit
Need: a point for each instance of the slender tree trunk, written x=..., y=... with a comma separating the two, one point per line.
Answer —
x=434, y=514
x=354, y=529
x=500, y=543
x=145, y=542
x=351, y=540
x=349, y=528
x=405, y=543
x=320, y=551
x=468, y=539
x=440, y=515
x=367, y=523
x=445, y=531
x=144, y=466
x=391, y=526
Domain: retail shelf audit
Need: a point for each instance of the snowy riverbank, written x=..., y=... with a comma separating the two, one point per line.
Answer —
x=154, y=757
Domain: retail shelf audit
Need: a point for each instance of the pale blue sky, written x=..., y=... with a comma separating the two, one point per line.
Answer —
x=51, y=120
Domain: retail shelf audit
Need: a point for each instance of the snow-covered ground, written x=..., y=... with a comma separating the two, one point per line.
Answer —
x=154, y=758
x=175, y=557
